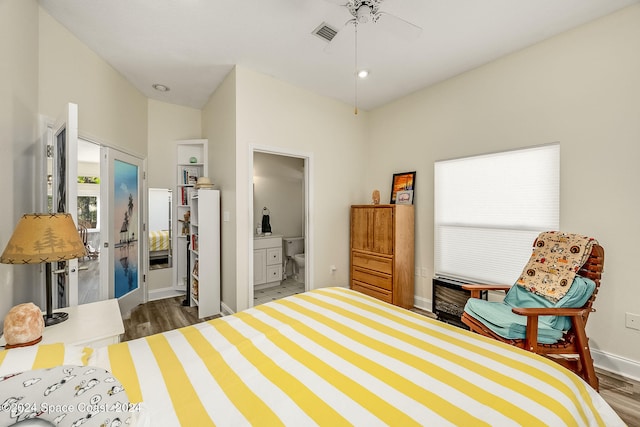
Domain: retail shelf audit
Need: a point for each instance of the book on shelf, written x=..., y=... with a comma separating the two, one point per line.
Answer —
x=189, y=175
x=194, y=242
x=186, y=193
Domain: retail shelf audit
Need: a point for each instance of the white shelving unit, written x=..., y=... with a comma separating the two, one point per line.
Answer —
x=205, y=252
x=191, y=163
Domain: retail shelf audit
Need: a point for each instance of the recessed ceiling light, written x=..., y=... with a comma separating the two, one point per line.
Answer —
x=363, y=74
x=160, y=88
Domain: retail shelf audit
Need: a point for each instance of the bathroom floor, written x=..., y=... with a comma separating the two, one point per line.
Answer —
x=288, y=287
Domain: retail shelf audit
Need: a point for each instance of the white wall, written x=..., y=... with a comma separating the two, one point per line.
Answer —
x=272, y=113
x=110, y=109
x=278, y=183
x=18, y=136
x=167, y=123
x=580, y=88
x=219, y=127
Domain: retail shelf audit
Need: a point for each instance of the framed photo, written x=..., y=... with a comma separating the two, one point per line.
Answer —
x=404, y=197
x=404, y=181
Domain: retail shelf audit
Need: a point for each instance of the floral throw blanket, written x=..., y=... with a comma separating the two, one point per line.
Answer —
x=556, y=259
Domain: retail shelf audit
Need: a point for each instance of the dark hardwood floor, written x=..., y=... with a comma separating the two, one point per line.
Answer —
x=160, y=316
x=153, y=317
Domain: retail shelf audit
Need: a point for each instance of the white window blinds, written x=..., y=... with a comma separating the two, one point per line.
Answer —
x=490, y=208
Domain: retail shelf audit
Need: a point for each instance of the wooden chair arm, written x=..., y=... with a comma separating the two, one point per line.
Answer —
x=542, y=311
x=533, y=314
x=477, y=289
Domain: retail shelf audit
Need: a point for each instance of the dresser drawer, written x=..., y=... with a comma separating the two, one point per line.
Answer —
x=379, y=280
x=372, y=262
x=274, y=256
x=372, y=291
x=274, y=273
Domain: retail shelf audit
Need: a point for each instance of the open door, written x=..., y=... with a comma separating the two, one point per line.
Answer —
x=63, y=196
x=122, y=227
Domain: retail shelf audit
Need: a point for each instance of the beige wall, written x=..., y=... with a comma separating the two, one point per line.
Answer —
x=110, y=109
x=271, y=113
x=219, y=126
x=167, y=123
x=18, y=139
x=581, y=89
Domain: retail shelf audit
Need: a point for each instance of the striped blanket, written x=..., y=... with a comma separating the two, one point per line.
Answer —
x=334, y=357
x=158, y=240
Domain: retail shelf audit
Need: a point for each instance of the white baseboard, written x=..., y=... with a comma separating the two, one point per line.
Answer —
x=162, y=293
x=422, y=303
x=618, y=365
x=226, y=310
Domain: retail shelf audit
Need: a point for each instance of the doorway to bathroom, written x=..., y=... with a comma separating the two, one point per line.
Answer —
x=280, y=205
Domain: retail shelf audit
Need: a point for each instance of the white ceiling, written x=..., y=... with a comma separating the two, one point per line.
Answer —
x=191, y=45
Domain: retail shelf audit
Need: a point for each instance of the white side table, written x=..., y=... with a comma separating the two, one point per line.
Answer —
x=92, y=325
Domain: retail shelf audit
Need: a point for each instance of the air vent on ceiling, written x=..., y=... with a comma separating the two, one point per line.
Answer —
x=325, y=32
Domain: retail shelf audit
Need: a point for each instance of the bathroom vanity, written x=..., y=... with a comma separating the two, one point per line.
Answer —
x=267, y=261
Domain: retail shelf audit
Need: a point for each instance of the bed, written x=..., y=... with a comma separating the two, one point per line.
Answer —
x=335, y=357
x=159, y=242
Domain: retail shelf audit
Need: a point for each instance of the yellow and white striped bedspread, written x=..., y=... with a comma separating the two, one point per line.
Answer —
x=335, y=357
x=158, y=240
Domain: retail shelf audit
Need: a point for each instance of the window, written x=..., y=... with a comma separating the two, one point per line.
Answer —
x=88, y=211
x=490, y=208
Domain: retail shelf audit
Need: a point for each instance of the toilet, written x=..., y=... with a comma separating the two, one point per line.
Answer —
x=294, y=251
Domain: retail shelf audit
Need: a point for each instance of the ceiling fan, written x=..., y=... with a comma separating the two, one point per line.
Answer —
x=365, y=12
x=368, y=11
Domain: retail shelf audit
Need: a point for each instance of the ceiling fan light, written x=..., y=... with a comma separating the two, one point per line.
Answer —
x=363, y=13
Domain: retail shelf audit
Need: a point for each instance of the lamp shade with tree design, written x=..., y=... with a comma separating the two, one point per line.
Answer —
x=44, y=238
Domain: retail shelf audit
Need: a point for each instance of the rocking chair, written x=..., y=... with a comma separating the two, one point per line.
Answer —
x=570, y=348
x=92, y=252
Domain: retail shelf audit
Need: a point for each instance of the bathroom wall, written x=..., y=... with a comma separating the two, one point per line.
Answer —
x=278, y=184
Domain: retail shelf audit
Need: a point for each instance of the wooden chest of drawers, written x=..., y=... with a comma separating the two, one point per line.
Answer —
x=382, y=252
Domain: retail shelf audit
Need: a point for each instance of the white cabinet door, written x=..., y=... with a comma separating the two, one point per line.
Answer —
x=274, y=273
x=259, y=266
x=274, y=256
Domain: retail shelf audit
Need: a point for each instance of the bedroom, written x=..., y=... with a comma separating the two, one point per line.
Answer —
x=585, y=96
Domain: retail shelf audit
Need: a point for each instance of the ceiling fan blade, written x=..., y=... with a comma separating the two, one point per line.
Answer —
x=399, y=26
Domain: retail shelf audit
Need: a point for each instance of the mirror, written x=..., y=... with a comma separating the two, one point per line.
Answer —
x=160, y=255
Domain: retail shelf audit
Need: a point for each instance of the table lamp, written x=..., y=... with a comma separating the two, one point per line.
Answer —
x=44, y=238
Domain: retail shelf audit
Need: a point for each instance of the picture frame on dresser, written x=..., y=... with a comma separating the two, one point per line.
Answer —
x=403, y=181
x=404, y=197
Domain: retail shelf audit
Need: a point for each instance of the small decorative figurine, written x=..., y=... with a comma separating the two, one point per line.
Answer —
x=185, y=223
x=375, y=196
x=193, y=160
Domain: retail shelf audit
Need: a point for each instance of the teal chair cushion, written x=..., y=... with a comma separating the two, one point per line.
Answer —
x=498, y=316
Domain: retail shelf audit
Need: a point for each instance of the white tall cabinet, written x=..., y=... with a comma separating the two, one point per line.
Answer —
x=191, y=163
x=205, y=252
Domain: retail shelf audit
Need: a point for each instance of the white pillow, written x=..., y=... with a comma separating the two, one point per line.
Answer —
x=42, y=356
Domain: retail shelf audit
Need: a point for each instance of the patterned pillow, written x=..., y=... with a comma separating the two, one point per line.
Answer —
x=67, y=395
